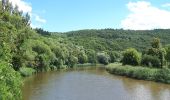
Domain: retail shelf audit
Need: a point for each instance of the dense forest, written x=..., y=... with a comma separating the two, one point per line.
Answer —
x=117, y=39
x=24, y=50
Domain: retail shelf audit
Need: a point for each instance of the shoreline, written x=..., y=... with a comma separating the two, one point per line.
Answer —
x=140, y=73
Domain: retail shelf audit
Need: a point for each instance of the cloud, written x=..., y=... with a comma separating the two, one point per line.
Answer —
x=35, y=25
x=22, y=6
x=166, y=5
x=144, y=16
x=38, y=19
x=26, y=7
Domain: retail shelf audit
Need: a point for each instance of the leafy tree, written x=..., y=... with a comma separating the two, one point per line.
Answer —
x=103, y=58
x=131, y=57
x=167, y=57
x=157, y=51
x=82, y=57
x=151, y=61
x=72, y=61
x=114, y=56
x=92, y=57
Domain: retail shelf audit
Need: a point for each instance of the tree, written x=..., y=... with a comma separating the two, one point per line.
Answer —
x=82, y=57
x=103, y=58
x=72, y=60
x=114, y=56
x=92, y=57
x=157, y=50
x=131, y=57
x=167, y=57
x=151, y=61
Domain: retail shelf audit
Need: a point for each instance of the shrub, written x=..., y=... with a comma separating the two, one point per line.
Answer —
x=103, y=58
x=82, y=58
x=114, y=56
x=91, y=54
x=24, y=71
x=151, y=61
x=163, y=75
x=131, y=57
x=72, y=60
x=10, y=83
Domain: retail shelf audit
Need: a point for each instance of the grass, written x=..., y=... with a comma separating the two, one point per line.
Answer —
x=24, y=71
x=139, y=72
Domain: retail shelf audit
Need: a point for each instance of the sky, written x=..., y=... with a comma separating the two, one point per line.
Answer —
x=69, y=15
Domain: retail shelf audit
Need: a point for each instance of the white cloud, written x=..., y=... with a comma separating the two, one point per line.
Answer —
x=22, y=6
x=144, y=16
x=166, y=5
x=35, y=25
x=38, y=19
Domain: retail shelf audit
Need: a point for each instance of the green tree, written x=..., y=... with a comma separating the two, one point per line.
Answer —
x=167, y=57
x=157, y=50
x=131, y=57
x=103, y=58
x=92, y=57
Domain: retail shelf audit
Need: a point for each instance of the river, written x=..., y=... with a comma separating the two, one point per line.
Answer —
x=90, y=84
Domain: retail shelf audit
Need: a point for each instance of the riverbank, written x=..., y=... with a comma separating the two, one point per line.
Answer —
x=139, y=72
x=26, y=72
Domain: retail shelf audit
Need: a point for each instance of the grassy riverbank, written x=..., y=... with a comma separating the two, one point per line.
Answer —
x=139, y=72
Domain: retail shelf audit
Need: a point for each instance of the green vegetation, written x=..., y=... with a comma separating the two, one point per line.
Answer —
x=26, y=71
x=26, y=51
x=115, y=39
x=131, y=57
x=153, y=66
x=10, y=82
x=139, y=72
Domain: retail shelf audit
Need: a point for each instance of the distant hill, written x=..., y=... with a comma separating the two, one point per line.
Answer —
x=116, y=39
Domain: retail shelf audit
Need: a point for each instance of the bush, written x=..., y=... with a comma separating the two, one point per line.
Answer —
x=24, y=71
x=114, y=56
x=10, y=83
x=103, y=58
x=131, y=57
x=91, y=54
x=82, y=58
x=72, y=60
x=163, y=75
x=151, y=61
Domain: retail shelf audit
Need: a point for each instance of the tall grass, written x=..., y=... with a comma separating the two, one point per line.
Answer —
x=142, y=73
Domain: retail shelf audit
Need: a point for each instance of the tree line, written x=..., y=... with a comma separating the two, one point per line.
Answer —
x=24, y=50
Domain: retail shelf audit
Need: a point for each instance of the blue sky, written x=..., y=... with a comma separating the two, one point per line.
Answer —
x=68, y=15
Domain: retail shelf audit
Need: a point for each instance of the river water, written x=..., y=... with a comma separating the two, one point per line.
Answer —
x=91, y=84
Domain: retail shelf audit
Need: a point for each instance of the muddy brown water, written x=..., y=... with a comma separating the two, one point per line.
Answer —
x=91, y=84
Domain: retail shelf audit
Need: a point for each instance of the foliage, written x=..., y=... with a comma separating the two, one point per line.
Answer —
x=72, y=61
x=167, y=57
x=151, y=61
x=131, y=57
x=114, y=56
x=115, y=39
x=24, y=71
x=42, y=32
x=82, y=58
x=10, y=82
x=91, y=54
x=144, y=73
x=103, y=58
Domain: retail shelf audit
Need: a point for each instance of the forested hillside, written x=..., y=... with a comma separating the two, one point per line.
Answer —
x=117, y=39
x=24, y=50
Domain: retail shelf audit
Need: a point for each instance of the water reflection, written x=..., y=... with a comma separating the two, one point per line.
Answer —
x=91, y=84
